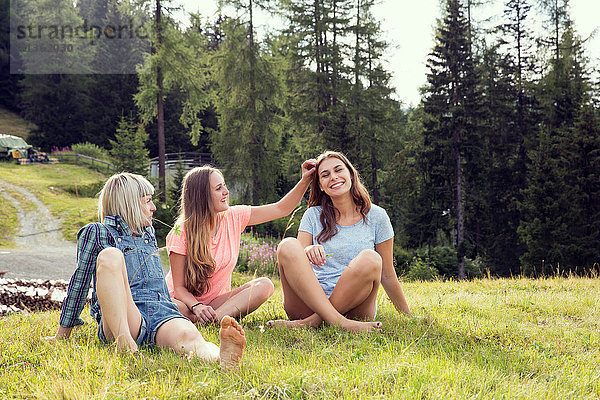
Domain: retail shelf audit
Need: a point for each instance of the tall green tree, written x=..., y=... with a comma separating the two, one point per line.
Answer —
x=245, y=97
x=176, y=62
x=557, y=224
x=450, y=123
x=316, y=32
x=129, y=149
x=375, y=119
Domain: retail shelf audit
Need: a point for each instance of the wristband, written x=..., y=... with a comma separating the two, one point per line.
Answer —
x=197, y=304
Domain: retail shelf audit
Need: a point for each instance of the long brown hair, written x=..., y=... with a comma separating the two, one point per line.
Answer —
x=198, y=217
x=318, y=197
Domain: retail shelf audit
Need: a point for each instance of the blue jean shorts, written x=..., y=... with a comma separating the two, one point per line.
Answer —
x=154, y=313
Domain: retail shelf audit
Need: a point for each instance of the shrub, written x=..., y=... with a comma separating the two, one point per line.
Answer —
x=402, y=259
x=91, y=150
x=61, y=150
x=443, y=258
x=422, y=270
x=88, y=190
x=164, y=219
x=277, y=228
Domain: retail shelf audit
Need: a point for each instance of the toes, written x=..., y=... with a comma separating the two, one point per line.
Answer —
x=226, y=321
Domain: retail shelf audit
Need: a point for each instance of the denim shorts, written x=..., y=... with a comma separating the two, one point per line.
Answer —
x=154, y=313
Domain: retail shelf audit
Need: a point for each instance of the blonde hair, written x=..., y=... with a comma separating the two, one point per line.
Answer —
x=329, y=214
x=122, y=195
x=197, y=214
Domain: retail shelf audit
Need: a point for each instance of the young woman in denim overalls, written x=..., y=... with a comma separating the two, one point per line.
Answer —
x=130, y=299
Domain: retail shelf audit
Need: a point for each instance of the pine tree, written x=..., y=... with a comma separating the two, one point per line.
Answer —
x=374, y=118
x=450, y=105
x=129, y=149
x=177, y=62
x=316, y=75
x=245, y=94
x=555, y=208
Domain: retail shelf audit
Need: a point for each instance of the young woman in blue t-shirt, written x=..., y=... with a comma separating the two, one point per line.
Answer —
x=349, y=242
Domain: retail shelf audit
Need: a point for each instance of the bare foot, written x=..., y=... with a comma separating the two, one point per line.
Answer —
x=313, y=321
x=233, y=343
x=127, y=344
x=284, y=323
x=358, y=326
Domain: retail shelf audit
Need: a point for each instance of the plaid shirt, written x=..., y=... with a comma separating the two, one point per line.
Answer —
x=91, y=240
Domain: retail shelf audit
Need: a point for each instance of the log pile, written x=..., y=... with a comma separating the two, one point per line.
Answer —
x=31, y=295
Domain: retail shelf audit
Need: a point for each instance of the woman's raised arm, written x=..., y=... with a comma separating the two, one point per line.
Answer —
x=286, y=205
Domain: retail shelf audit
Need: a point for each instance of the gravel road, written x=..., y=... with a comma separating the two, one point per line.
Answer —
x=40, y=251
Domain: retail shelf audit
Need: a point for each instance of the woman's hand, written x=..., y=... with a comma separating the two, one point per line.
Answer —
x=315, y=254
x=61, y=333
x=204, y=314
x=308, y=169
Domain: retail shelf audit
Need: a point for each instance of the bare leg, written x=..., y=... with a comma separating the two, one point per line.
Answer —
x=354, y=295
x=182, y=336
x=121, y=319
x=239, y=302
x=244, y=299
x=299, y=278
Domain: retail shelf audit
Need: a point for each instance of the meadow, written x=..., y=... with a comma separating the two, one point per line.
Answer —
x=484, y=338
x=488, y=338
x=67, y=190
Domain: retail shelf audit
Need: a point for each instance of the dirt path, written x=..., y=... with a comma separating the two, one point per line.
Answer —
x=40, y=251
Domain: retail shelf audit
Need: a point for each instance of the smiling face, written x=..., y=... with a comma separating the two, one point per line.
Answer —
x=218, y=192
x=335, y=178
x=148, y=209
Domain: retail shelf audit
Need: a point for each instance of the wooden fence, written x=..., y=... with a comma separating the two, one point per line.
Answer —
x=80, y=158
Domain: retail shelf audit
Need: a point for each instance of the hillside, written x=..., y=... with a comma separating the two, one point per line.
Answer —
x=13, y=124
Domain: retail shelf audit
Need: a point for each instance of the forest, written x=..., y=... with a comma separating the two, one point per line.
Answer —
x=496, y=170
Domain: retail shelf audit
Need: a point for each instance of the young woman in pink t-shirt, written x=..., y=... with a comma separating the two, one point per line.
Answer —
x=204, y=247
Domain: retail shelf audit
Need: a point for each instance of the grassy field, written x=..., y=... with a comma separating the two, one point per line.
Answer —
x=489, y=338
x=12, y=124
x=8, y=222
x=54, y=185
x=494, y=339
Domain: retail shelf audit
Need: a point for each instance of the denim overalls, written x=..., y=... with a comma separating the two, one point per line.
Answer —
x=147, y=284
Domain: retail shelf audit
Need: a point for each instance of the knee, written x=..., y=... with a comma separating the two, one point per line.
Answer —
x=110, y=260
x=263, y=288
x=287, y=247
x=369, y=263
x=189, y=336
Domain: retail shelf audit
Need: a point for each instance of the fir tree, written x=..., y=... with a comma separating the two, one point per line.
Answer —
x=451, y=134
x=129, y=149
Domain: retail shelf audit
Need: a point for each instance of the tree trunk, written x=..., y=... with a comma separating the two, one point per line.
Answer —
x=460, y=230
x=162, y=184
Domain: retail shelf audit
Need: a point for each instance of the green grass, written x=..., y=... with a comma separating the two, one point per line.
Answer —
x=54, y=185
x=8, y=222
x=504, y=338
x=12, y=124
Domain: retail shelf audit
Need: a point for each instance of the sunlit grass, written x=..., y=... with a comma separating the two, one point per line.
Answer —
x=8, y=222
x=505, y=338
x=48, y=182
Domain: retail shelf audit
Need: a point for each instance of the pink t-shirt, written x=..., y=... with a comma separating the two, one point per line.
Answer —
x=224, y=248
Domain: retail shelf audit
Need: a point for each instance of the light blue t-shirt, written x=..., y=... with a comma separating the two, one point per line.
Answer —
x=347, y=243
